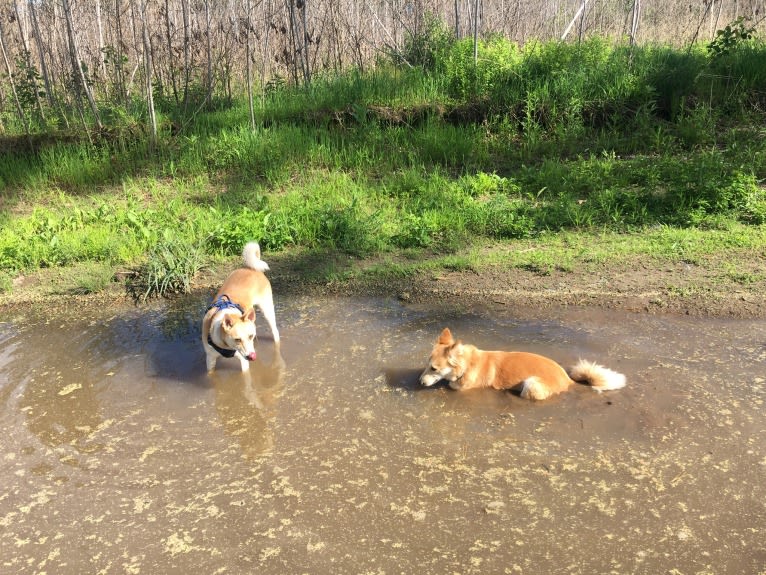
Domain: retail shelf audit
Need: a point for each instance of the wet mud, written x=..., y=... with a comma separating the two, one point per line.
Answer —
x=121, y=455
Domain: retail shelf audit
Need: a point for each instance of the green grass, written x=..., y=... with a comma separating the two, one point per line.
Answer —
x=661, y=149
x=169, y=268
x=92, y=277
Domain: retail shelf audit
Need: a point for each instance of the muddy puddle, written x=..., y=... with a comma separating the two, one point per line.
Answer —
x=120, y=455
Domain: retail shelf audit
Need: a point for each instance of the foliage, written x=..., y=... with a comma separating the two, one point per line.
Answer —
x=546, y=138
x=93, y=277
x=231, y=232
x=497, y=60
x=170, y=267
x=426, y=46
x=730, y=37
x=28, y=86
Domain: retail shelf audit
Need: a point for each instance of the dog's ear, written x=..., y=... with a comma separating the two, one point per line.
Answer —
x=228, y=322
x=249, y=315
x=455, y=354
x=446, y=337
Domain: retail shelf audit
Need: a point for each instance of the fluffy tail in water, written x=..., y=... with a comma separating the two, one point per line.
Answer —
x=600, y=378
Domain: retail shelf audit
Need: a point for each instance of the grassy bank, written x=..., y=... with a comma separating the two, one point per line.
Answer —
x=529, y=145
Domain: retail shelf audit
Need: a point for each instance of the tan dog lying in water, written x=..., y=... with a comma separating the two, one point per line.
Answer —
x=228, y=328
x=533, y=376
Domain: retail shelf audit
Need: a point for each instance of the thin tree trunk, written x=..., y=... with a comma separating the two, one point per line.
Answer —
x=20, y=24
x=46, y=54
x=169, y=40
x=249, y=67
x=717, y=19
x=41, y=51
x=77, y=67
x=634, y=22
x=476, y=33
x=28, y=62
x=209, y=50
x=74, y=65
x=457, y=19
x=582, y=22
x=19, y=109
x=119, y=71
x=265, y=70
x=576, y=16
x=335, y=39
x=187, y=42
x=148, y=73
x=100, y=32
x=293, y=41
x=305, y=54
x=699, y=26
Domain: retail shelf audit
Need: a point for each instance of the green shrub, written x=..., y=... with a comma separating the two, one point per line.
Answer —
x=93, y=277
x=501, y=217
x=170, y=267
x=748, y=198
x=427, y=44
x=729, y=38
x=497, y=60
x=233, y=229
x=417, y=230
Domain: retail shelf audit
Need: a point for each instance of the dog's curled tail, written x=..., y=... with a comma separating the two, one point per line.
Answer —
x=251, y=254
x=600, y=378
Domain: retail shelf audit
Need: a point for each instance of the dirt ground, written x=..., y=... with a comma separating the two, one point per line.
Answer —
x=641, y=285
x=678, y=289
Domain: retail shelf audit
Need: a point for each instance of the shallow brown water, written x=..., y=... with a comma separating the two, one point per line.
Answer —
x=120, y=455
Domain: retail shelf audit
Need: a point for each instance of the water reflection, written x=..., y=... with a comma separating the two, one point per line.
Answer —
x=405, y=378
x=246, y=403
x=62, y=408
x=59, y=389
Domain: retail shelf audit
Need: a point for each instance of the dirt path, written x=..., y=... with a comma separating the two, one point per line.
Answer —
x=641, y=285
x=638, y=286
x=678, y=289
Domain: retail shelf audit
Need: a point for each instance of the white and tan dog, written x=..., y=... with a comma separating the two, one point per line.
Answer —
x=532, y=376
x=228, y=328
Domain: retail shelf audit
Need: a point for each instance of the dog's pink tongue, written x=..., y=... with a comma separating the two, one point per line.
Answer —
x=251, y=356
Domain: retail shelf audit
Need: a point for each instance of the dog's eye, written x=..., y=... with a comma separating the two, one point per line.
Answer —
x=238, y=340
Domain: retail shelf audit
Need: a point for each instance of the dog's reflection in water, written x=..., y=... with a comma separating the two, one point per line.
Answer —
x=246, y=403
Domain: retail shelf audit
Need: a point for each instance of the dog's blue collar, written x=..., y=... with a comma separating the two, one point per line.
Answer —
x=223, y=302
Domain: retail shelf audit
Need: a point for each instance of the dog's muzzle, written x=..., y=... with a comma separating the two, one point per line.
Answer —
x=429, y=378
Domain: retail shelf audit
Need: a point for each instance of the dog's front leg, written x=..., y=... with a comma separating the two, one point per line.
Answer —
x=243, y=362
x=211, y=356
